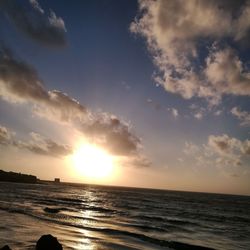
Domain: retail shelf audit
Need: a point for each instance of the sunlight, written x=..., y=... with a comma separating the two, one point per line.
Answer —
x=93, y=162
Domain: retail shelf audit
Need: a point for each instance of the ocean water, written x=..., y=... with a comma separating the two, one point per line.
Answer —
x=100, y=217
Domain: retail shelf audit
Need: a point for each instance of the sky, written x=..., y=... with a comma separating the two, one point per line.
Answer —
x=160, y=87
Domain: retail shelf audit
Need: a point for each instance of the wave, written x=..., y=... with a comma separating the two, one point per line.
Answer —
x=110, y=231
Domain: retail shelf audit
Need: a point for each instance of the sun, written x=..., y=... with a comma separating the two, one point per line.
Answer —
x=93, y=162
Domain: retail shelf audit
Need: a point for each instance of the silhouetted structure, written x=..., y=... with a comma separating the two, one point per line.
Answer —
x=57, y=180
x=17, y=177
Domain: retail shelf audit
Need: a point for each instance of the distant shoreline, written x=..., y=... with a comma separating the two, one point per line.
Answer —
x=17, y=177
x=25, y=178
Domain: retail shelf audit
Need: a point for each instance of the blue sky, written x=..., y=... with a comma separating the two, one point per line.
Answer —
x=170, y=88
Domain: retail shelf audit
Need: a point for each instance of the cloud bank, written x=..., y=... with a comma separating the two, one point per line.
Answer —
x=190, y=42
x=20, y=83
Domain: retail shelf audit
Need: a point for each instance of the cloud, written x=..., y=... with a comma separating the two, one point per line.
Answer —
x=36, y=6
x=43, y=146
x=224, y=144
x=221, y=151
x=226, y=74
x=108, y=131
x=20, y=83
x=198, y=115
x=37, y=144
x=174, y=112
x=191, y=148
x=218, y=112
x=243, y=116
x=185, y=39
x=229, y=148
x=35, y=23
x=5, y=135
x=136, y=160
x=60, y=107
x=197, y=111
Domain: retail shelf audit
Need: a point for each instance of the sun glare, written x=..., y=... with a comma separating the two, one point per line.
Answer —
x=93, y=162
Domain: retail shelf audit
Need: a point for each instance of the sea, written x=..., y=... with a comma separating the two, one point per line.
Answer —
x=103, y=217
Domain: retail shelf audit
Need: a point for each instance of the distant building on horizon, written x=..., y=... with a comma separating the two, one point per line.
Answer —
x=57, y=180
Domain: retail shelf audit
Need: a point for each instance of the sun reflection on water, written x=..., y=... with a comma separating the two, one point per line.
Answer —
x=87, y=242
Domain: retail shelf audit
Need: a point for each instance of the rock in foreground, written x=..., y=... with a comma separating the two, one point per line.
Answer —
x=6, y=247
x=48, y=242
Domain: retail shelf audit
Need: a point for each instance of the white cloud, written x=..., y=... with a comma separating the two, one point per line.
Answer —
x=220, y=151
x=56, y=22
x=175, y=32
x=174, y=112
x=225, y=73
x=243, y=116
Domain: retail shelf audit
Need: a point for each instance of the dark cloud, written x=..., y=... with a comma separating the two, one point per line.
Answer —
x=20, y=83
x=32, y=20
x=60, y=106
x=112, y=134
x=18, y=80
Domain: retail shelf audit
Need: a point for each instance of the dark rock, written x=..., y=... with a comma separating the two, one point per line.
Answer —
x=48, y=242
x=51, y=210
x=6, y=247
